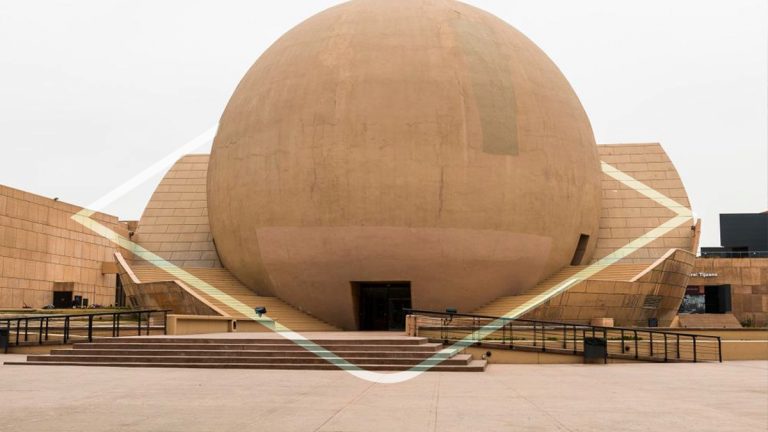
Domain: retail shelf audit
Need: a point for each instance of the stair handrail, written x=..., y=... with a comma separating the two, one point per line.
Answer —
x=586, y=329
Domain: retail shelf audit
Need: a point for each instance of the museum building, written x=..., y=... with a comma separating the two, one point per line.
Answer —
x=386, y=155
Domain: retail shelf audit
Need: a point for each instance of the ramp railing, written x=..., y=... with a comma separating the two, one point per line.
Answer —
x=644, y=344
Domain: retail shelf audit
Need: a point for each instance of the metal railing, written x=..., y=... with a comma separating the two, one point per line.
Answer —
x=566, y=338
x=734, y=254
x=65, y=328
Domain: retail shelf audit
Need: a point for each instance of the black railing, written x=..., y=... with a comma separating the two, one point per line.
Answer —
x=567, y=338
x=734, y=254
x=65, y=328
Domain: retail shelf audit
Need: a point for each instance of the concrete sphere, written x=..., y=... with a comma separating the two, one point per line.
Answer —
x=402, y=140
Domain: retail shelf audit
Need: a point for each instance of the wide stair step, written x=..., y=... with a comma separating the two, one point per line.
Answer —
x=369, y=353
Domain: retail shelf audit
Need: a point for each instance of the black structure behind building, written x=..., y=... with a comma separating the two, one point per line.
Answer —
x=742, y=236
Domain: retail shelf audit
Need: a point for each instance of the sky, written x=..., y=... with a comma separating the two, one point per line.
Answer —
x=94, y=91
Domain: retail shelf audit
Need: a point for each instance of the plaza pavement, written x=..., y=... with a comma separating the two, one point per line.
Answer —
x=732, y=396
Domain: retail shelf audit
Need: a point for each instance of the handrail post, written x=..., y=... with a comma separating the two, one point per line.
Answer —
x=165, y=323
x=575, y=342
x=149, y=321
x=605, y=336
x=90, y=328
x=26, y=330
x=66, y=330
x=40, y=333
x=534, y=333
x=46, y=328
x=543, y=337
x=637, y=352
x=511, y=335
x=622, y=341
x=18, y=330
x=138, y=324
x=651, y=333
x=695, y=357
x=678, y=346
x=503, y=332
x=118, y=323
x=665, y=347
x=719, y=349
x=565, y=336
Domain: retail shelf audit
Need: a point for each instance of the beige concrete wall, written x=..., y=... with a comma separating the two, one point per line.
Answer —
x=463, y=163
x=627, y=214
x=656, y=293
x=40, y=244
x=748, y=278
x=175, y=223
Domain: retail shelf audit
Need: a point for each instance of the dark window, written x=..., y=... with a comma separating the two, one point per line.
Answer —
x=581, y=248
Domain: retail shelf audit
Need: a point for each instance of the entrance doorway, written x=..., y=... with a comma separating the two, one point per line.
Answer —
x=381, y=304
x=712, y=299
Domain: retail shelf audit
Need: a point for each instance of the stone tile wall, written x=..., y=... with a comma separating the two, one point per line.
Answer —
x=41, y=245
x=175, y=222
x=656, y=293
x=627, y=214
x=748, y=278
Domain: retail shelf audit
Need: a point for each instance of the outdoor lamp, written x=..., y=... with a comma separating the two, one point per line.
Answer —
x=261, y=310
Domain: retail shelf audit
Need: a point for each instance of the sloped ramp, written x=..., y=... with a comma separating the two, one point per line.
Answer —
x=224, y=281
x=546, y=289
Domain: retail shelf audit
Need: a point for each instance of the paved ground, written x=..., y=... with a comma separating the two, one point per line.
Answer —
x=627, y=397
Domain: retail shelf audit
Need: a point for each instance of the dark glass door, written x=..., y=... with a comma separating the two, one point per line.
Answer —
x=382, y=304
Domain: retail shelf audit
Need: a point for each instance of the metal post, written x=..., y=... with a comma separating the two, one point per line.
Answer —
x=503, y=332
x=543, y=337
x=719, y=349
x=118, y=323
x=18, y=330
x=575, y=343
x=26, y=330
x=511, y=335
x=40, y=333
x=534, y=333
x=637, y=353
x=46, y=328
x=622, y=341
x=165, y=323
x=138, y=324
x=66, y=330
x=695, y=357
x=665, y=347
x=90, y=328
x=149, y=321
x=651, y=333
x=565, y=337
x=678, y=346
x=605, y=336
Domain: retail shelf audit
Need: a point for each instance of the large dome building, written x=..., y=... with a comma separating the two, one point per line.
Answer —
x=419, y=144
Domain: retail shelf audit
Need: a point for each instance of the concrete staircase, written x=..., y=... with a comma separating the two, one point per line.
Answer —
x=707, y=321
x=224, y=281
x=375, y=354
x=502, y=305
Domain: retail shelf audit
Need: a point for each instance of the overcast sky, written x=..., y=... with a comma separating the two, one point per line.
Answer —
x=94, y=91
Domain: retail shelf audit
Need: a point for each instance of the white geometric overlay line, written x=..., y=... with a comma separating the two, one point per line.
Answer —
x=84, y=218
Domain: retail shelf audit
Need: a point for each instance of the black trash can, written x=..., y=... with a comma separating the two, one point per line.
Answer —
x=5, y=334
x=595, y=350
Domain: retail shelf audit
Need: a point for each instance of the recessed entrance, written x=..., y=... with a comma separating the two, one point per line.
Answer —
x=381, y=304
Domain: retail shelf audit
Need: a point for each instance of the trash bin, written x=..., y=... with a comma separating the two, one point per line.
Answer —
x=5, y=334
x=595, y=350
